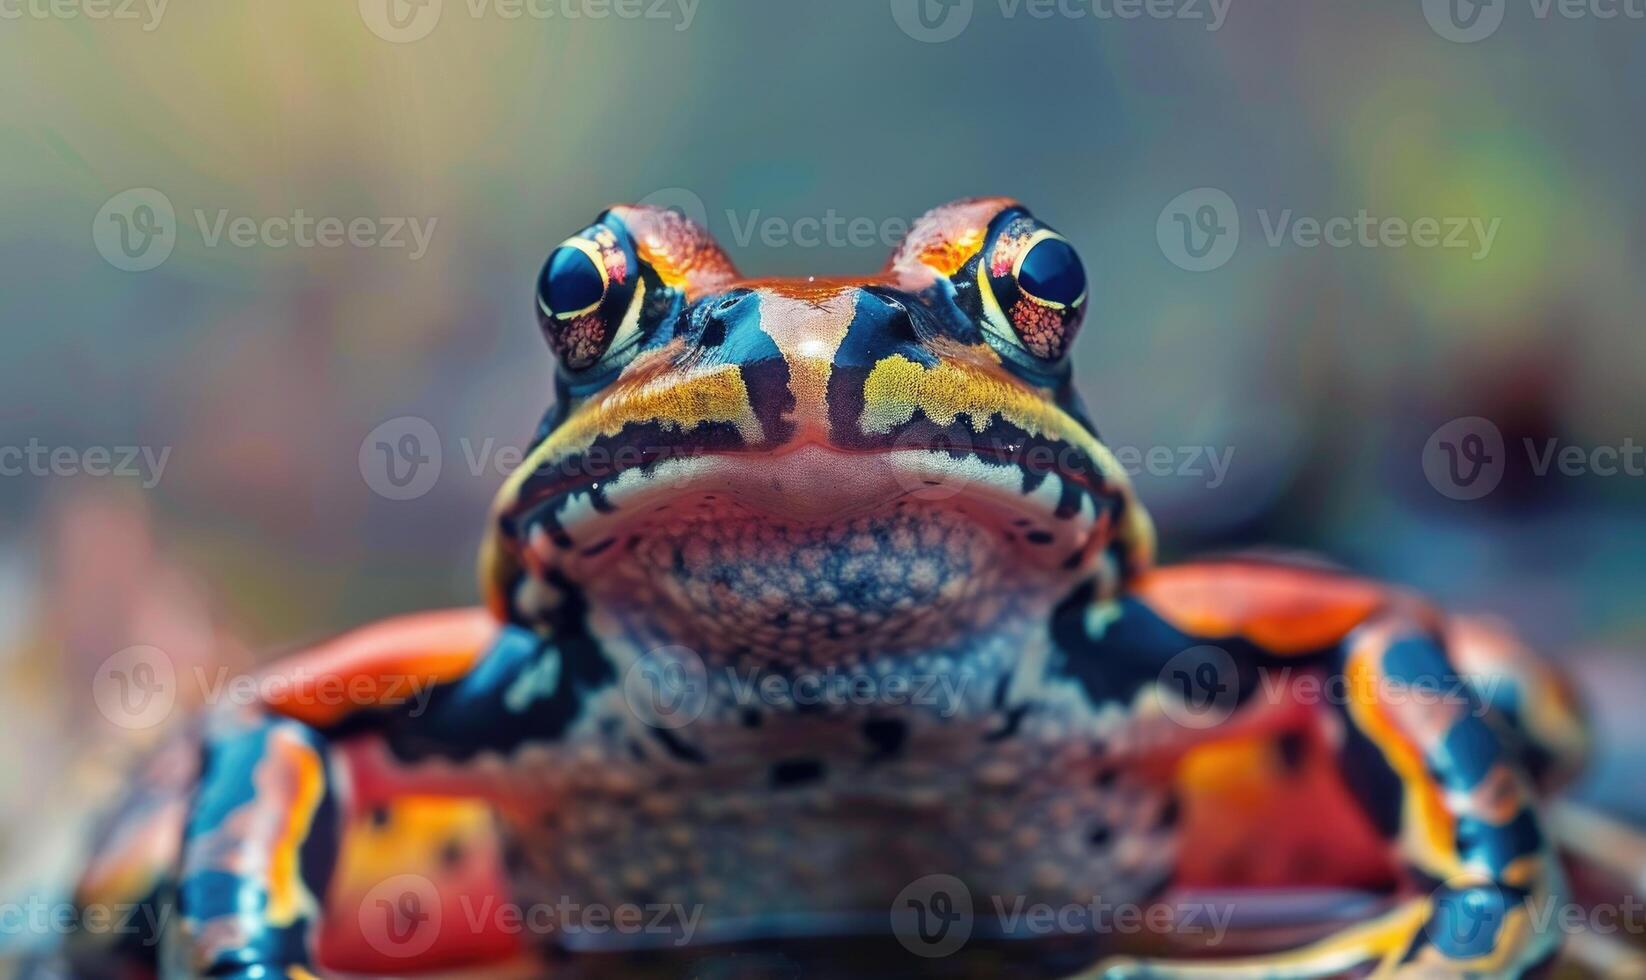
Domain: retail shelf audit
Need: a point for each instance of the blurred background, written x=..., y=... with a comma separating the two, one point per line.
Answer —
x=244, y=245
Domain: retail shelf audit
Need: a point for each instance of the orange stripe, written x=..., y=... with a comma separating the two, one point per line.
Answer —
x=387, y=663
x=1285, y=610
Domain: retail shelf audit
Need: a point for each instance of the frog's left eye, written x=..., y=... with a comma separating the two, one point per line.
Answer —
x=1051, y=273
x=1033, y=288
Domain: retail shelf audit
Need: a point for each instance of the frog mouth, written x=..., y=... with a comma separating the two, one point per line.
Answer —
x=1046, y=496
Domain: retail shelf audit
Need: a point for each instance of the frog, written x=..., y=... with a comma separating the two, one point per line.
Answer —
x=812, y=592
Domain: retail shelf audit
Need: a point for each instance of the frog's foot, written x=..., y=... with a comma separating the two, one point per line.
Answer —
x=1466, y=818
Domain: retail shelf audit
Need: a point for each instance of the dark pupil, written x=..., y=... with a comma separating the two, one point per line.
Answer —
x=1051, y=271
x=570, y=282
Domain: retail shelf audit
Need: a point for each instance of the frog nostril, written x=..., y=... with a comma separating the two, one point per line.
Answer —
x=717, y=317
x=897, y=319
x=714, y=333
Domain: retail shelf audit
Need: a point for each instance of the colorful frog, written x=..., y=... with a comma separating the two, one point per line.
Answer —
x=812, y=592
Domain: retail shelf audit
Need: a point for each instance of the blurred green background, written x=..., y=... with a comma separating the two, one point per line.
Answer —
x=258, y=370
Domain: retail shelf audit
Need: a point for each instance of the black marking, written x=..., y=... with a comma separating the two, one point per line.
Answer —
x=796, y=772
x=1014, y=721
x=470, y=715
x=1040, y=537
x=1292, y=749
x=678, y=748
x=1170, y=813
x=1101, y=835
x=887, y=735
x=595, y=549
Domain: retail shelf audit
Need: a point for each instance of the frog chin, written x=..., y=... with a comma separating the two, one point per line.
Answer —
x=820, y=555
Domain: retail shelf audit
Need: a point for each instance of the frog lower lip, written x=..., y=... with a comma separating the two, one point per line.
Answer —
x=1051, y=521
x=594, y=472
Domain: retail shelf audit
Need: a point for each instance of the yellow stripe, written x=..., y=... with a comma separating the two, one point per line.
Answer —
x=1427, y=824
x=681, y=402
x=897, y=386
x=289, y=897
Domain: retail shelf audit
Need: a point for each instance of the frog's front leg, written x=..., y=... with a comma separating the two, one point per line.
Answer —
x=259, y=847
x=261, y=840
x=1466, y=820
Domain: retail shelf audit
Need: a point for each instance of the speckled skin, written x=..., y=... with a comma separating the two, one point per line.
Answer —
x=810, y=589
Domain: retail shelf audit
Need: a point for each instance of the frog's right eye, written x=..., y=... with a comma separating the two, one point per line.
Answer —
x=586, y=295
x=573, y=282
x=606, y=291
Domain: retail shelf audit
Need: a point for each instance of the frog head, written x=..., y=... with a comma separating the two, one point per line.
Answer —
x=797, y=464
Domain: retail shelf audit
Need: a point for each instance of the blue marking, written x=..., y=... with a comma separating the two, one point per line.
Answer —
x=1499, y=846
x=1469, y=751
x=879, y=329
